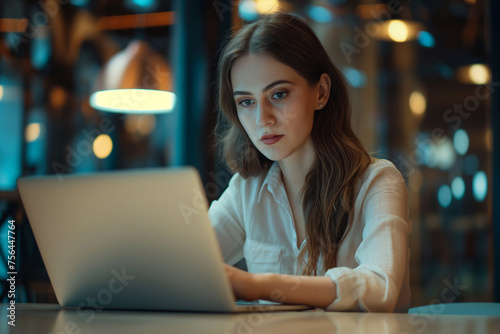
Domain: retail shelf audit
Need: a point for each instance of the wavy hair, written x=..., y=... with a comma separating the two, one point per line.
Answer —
x=329, y=188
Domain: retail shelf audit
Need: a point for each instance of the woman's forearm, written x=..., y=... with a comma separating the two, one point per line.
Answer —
x=291, y=289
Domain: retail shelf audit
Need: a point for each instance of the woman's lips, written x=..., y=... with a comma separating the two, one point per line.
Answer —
x=270, y=140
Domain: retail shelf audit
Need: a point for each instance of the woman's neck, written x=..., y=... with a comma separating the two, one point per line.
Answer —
x=294, y=170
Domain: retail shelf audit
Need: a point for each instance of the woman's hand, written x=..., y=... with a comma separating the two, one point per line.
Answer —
x=244, y=284
x=287, y=289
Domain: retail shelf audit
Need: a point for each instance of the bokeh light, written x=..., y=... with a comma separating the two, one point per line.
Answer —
x=102, y=146
x=444, y=196
x=355, y=77
x=417, y=103
x=32, y=132
x=397, y=30
x=458, y=187
x=444, y=154
x=461, y=141
x=320, y=14
x=267, y=6
x=248, y=10
x=426, y=39
x=480, y=186
x=479, y=74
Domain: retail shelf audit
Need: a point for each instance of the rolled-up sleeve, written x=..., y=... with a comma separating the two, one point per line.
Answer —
x=382, y=256
x=226, y=217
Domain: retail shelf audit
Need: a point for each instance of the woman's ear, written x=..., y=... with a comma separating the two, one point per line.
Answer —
x=323, y=88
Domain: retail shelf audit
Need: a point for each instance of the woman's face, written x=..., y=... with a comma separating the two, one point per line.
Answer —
x=275, y=105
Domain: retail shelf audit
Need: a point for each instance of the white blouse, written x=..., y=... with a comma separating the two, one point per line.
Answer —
x=253, y=219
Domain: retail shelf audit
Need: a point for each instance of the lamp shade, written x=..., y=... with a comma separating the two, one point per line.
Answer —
x=135, y=80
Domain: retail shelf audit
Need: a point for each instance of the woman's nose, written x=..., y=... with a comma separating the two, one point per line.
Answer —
x=265, y=116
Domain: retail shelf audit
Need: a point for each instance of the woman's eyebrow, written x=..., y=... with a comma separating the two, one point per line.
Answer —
x=268, y=87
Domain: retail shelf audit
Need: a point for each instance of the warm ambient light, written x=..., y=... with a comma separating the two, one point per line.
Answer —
x=417, y=103
x=118, y=22
x=140, y=124
x=57, y=97
x=13, y=25
x=370, y=11
x=134, y=101
x=476, y=74
x=268, y=6
x=136, y=21
x=32, y=132
x=1, y=92
x=102, y=146
x=249, y=10
x=397, y=31
x=479, y=74
x=488, y=137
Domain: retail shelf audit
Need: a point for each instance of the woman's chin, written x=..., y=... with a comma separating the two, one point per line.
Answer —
x=274, y=156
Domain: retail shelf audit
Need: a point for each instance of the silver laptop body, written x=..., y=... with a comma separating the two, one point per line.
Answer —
x=133, y=239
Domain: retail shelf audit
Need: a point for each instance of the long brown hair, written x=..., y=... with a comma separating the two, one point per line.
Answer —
x=328, y=193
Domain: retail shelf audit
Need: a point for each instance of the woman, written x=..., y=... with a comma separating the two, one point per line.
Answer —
x=318, y=221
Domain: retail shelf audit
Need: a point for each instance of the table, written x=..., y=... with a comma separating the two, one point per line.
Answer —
x=51, y=318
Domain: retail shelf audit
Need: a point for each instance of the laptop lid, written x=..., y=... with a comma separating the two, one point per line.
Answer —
x=134, y=239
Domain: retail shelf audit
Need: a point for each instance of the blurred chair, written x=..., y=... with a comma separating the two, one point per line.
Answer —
x=491, y=309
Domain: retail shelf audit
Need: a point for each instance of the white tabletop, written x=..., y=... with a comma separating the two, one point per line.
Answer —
x=46, y=318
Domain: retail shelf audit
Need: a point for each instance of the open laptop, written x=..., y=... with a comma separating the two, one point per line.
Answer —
x=133, y=239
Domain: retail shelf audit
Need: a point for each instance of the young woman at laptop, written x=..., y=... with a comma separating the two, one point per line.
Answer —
x=318, y=221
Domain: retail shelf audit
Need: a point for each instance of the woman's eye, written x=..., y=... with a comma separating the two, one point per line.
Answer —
x=280, y=95
x=248, y=102
x=245, y=103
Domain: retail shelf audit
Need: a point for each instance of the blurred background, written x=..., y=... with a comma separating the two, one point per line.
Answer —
x=421, y=82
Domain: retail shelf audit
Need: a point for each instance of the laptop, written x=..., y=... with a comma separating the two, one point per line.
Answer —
x=131, y=239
